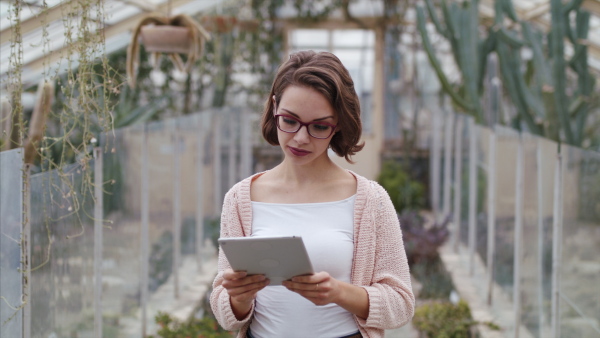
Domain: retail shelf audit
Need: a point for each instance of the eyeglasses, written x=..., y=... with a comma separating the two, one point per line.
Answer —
x=290, y=124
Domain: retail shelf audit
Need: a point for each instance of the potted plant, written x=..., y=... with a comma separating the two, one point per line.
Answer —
x=174, y=36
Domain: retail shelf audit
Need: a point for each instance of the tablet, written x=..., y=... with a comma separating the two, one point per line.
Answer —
x=278, y=258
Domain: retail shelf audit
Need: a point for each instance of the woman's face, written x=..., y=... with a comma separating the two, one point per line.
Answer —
x=306, y=105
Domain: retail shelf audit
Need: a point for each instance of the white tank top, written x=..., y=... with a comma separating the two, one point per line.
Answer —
x=327, y=230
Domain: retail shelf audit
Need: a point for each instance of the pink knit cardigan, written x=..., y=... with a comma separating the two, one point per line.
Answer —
x=379, y=262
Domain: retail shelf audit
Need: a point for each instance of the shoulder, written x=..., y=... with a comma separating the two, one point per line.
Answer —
x=368, y=188
x=241, y=190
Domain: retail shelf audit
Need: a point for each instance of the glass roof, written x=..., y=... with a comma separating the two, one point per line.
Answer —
x=44, y=54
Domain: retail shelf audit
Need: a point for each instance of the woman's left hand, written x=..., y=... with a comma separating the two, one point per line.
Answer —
x=319, y=288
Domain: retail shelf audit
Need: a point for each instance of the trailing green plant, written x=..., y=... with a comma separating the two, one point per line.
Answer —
x=206, y=327
x=406, y=193
x=444, y=320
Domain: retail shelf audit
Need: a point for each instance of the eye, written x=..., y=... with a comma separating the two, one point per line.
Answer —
x=289, y=121
x=321, y=127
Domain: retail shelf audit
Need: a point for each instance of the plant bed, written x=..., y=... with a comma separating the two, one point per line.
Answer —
x=204, y=327
x=444, y=319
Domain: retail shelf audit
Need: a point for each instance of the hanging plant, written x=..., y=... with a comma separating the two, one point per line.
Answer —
x=174, y=36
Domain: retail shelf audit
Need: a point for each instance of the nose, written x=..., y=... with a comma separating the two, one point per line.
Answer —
x=302, y=136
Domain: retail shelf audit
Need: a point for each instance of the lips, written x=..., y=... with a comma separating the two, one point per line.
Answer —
x=298, y=152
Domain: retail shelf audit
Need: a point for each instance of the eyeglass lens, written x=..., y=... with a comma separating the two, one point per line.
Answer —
x=291, y=125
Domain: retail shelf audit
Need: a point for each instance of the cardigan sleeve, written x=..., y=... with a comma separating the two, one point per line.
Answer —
x=231, y=226
x=391, y=300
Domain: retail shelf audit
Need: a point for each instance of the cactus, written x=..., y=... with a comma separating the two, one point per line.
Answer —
x=540, y=94
x=469, y=50
x=544, y=103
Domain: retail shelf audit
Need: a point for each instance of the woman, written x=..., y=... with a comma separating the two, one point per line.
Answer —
x=348, y=223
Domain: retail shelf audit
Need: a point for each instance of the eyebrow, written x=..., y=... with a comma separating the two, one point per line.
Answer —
x=298, y=117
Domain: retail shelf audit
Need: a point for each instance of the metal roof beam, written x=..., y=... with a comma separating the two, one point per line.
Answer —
x=110, y=31
x=36, y=21
x=143, y=5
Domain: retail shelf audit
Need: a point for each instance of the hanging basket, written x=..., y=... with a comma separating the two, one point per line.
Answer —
x=173, y=36
x=166, y=39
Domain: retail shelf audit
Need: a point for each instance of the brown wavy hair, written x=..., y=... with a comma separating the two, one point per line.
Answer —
x=326, y=74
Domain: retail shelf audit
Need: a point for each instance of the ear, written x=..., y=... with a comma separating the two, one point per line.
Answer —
x=274, y=105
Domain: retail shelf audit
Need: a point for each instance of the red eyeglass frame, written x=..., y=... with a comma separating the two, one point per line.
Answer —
x=302, y=124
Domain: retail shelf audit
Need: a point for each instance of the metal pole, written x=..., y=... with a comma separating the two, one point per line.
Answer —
x=457, y=182
x=557, y=244
x=176, y=207
x=98, y=241
x=448, y=163
x=199, y=193
x=518, y=239
x=144, y=233
x=435, y=165
x=218, y=199
x=540, y=232
x=472, y=230
x=232, y=170
x=245, y=145
x=491, y=240
x=26, y=252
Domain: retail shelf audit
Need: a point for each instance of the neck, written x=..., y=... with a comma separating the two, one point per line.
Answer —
x=317, y=171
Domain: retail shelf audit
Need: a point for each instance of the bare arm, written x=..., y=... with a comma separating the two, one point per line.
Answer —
x=242, y=290
x=322, y=289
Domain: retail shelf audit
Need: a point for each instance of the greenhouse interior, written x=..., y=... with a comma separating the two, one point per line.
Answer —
x=125, y=123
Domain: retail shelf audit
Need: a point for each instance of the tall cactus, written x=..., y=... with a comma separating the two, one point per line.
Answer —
x=544, y=102
x=537, y=88
x=460, y=27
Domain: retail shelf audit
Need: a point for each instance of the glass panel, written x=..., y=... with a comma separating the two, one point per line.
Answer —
x=353, y=38
x=506, y=159
x=161, y=174
x=309, y=38
x=188, y=128
x=464, y=208
x=536, y=264
x=121, y=237
x=11, y=219
x=580, y=272
x=62, y=245
x=483, y=158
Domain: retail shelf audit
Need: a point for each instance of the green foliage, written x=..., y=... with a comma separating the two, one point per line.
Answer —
x=406, y=194
x=553, y=93
x=444, y=320
x=469, y=50
x=201, y=328
x=434, y=278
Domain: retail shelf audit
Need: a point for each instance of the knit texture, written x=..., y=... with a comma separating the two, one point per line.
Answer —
x=379, y=262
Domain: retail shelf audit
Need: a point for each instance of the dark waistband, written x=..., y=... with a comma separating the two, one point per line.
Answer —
x=353, y=335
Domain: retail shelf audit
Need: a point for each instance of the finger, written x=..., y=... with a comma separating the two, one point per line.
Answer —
x=310, y=290
x=312, y=279
x=229, y=274
x=248, y=289
x=236, y=283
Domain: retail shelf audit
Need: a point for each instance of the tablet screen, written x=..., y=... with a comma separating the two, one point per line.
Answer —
x=278, y=258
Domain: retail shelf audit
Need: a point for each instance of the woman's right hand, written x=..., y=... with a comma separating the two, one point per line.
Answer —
x=242, y=290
